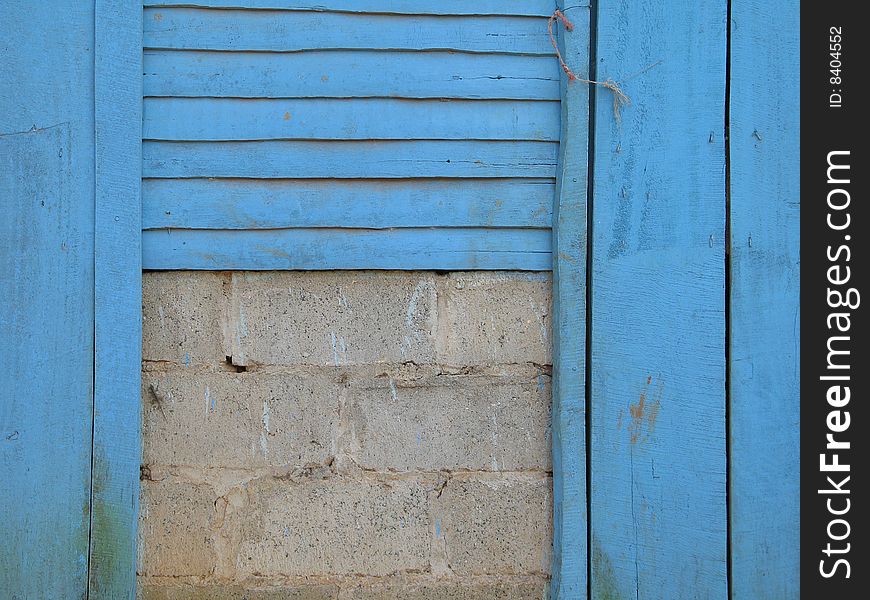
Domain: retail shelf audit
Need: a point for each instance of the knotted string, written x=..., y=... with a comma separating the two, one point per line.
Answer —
x=619, y=97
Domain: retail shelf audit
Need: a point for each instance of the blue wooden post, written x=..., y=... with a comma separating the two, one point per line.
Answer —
x=118, y=308
x=765, y=307
x=569, y=321
x=47, y=296
x=658, y=481
x=70, y=286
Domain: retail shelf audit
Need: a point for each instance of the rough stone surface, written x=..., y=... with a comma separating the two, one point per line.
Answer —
x=239, y=420
x=335, y=526
x=392, y=588
x=494, y=318
x=463, y=589
x=175, y=529
x=183, y=317
x=495, y=525
x=450, y=421
x=237, y=592
x=345, y=436
x=328, y=318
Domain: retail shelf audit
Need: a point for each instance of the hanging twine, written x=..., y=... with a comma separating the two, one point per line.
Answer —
x=619, y=97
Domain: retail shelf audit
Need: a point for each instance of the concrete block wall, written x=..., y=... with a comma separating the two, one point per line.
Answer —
x=345, y=436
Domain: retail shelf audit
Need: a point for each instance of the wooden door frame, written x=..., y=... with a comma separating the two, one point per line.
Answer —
x=118, y=307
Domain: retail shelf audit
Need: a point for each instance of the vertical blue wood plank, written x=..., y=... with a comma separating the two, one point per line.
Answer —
x=765, y=306
x=118, y=260
x=658, y=481
x=569, y=321
x=46, y=291
x=531, y=8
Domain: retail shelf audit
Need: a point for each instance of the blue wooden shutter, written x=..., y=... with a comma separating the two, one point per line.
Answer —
x=349, y=134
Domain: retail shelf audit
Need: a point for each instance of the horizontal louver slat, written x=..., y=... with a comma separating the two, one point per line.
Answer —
x=540, y=8
x=349, y=160
x=205, y=119
x=350, y=74
x=291, y=31
x=322, y=249
x=371, y=203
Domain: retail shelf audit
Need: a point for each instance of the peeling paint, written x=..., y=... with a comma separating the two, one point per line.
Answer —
x=264, y=441
x=342, y=299
x=644, y=414
x=539, y=315
x=339, y=349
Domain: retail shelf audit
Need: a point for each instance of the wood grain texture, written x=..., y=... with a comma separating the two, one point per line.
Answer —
x=341, y=160
x=371, y=204
x=345, y=74
x=328, y=249
x=292, y=31
x=570, y=514
x=658, y=513
x=47, y=295
x=118, y=285
x=540, y=8
x=203, y=119
x=765, y=300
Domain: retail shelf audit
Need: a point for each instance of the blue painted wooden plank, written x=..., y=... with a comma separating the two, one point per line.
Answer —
x=372, y=204
x=321, y=249
x=118, y=309
x=47, y=295
x=350, y=74
x=540, y=8
x=570, y=514
x=201, y=29
x=765, y=300
x=313, y=159
x=341, y=119
x=658, y=472
x=45, y=410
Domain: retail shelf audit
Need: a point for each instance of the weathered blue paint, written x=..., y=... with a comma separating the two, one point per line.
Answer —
x=541, y=8
x=765, y=307
x=214, y=119
x=350, y=74
x=570, y=516
x=292, y=31
x=330, y=248
x=658, y=461
x=118, y=308
x=272, y=126
x=349, y=159
x=369, y=204
x=47, y=295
